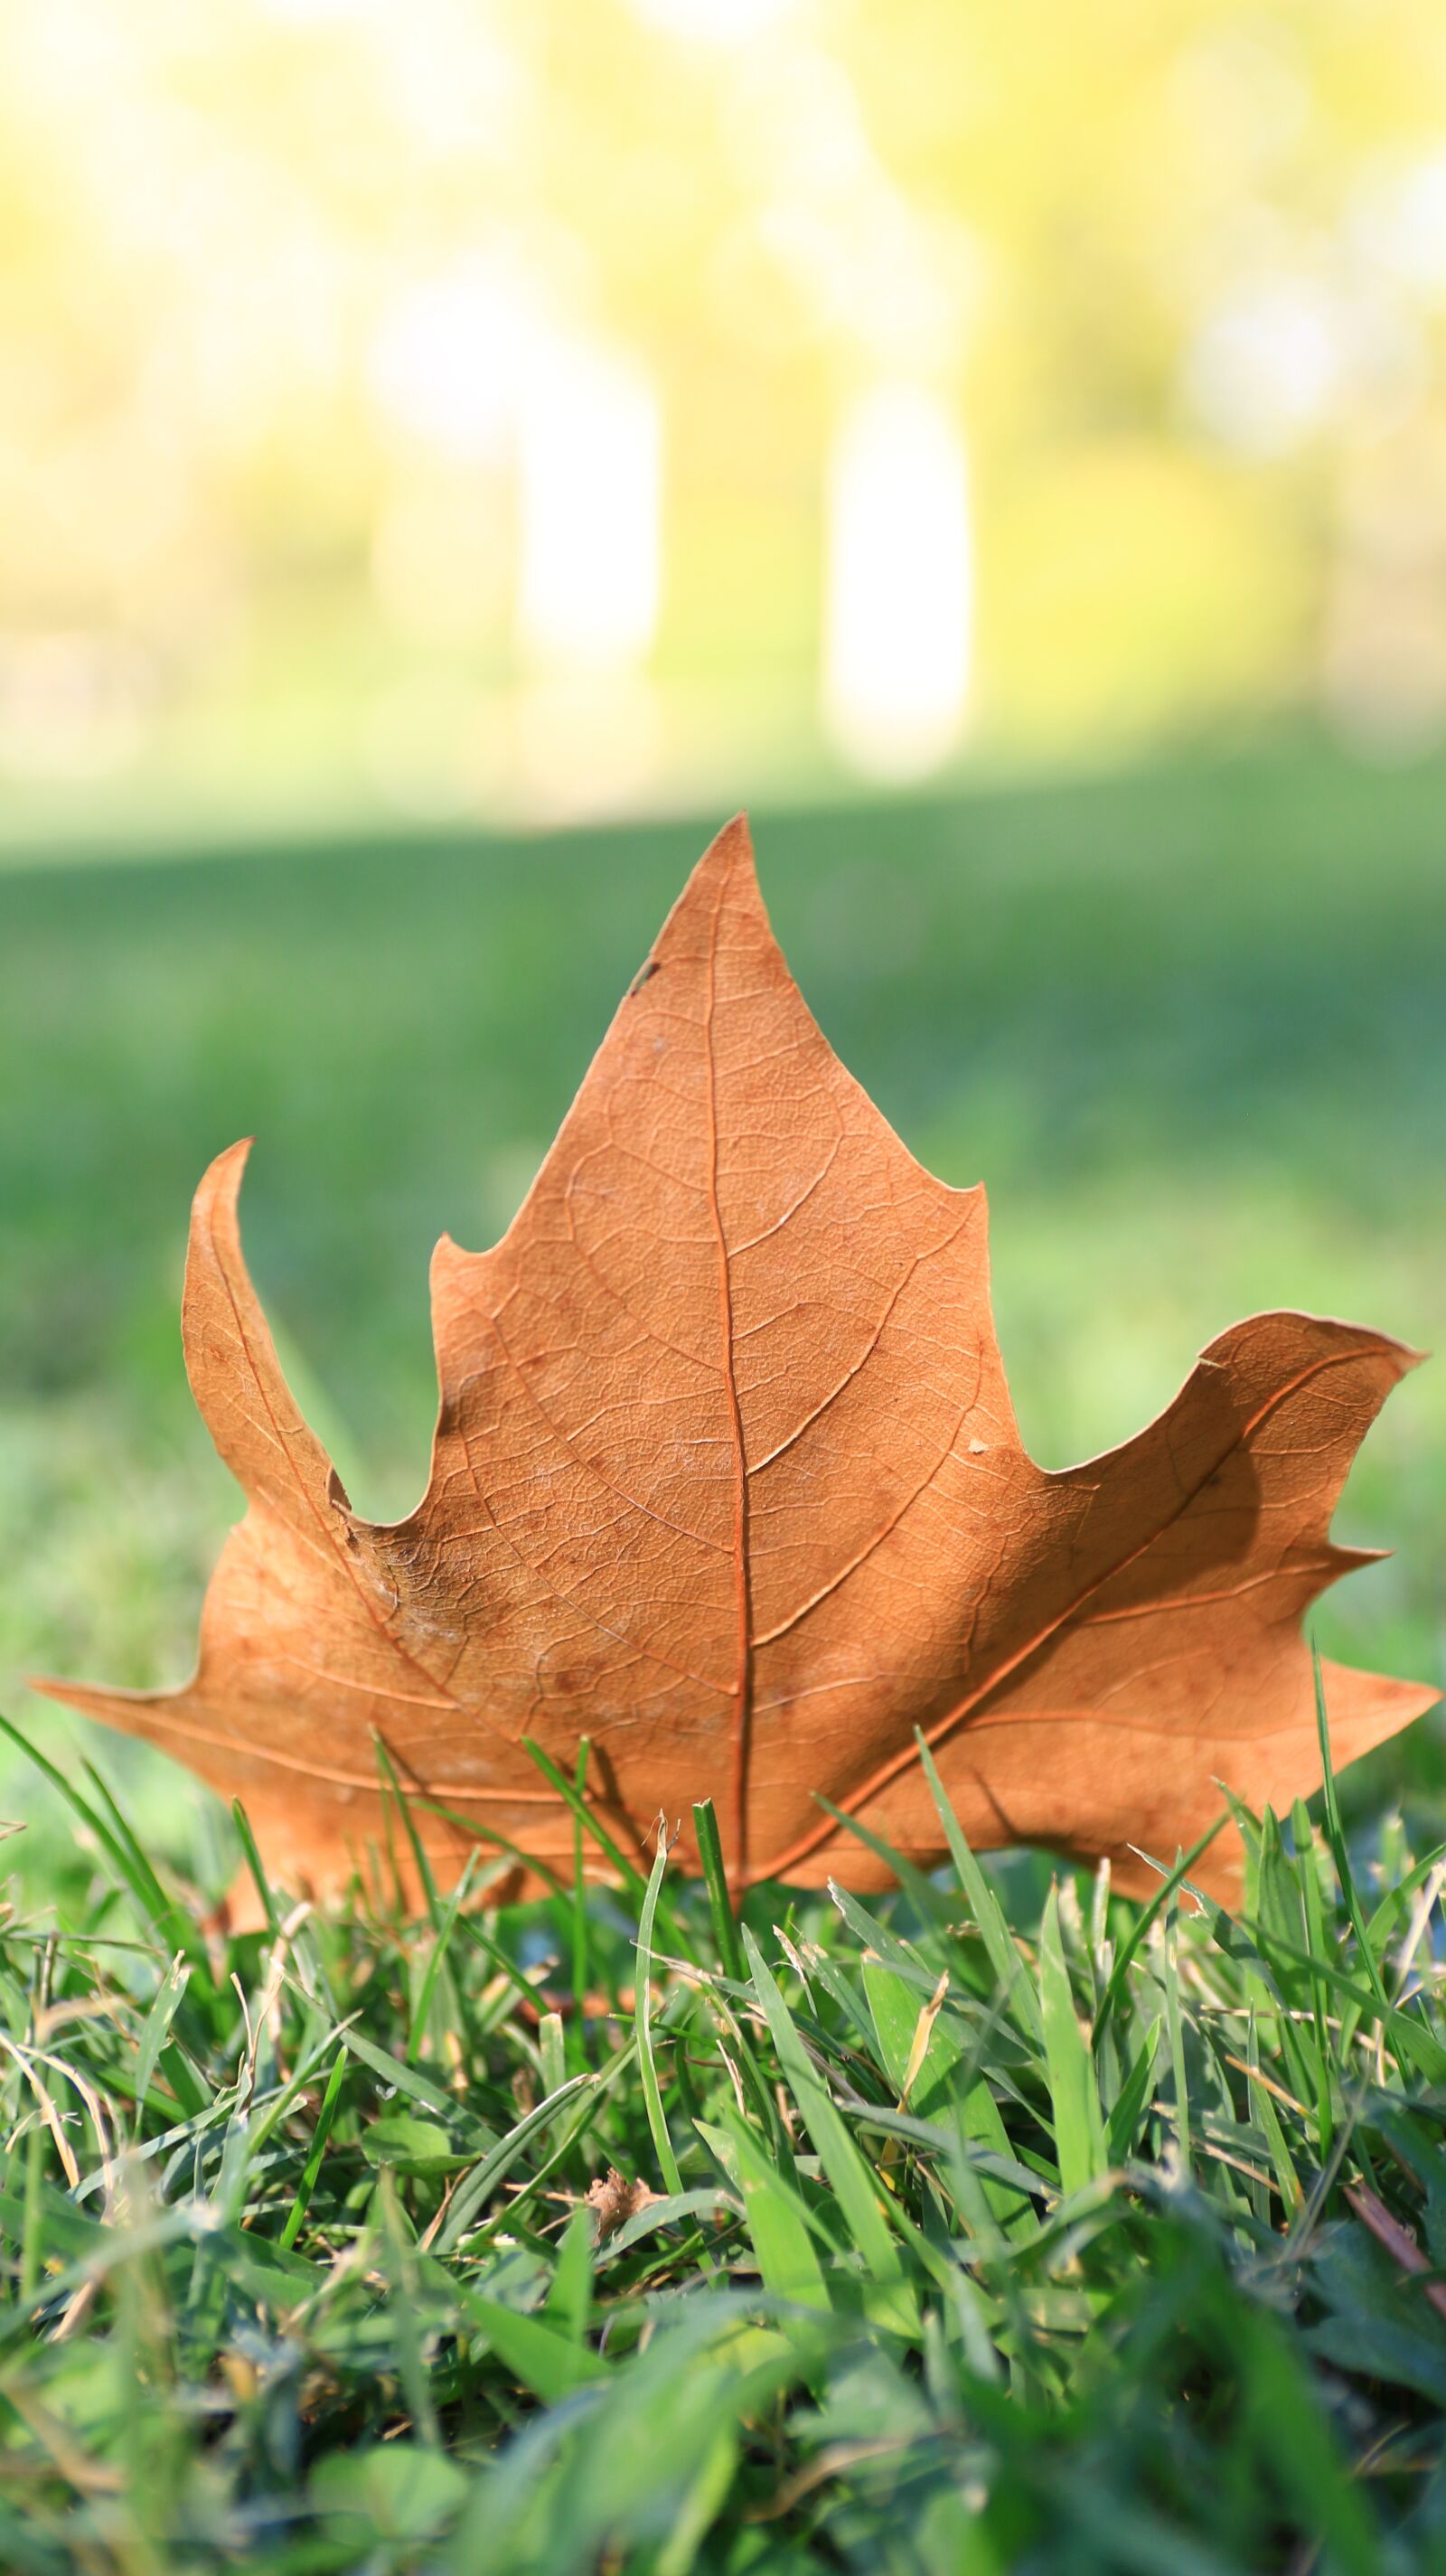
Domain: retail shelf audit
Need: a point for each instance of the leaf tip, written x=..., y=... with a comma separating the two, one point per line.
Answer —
x=218, y=1191
x=732, y=845
x=728, y=862
x=223, y=1173
x=87, y=1699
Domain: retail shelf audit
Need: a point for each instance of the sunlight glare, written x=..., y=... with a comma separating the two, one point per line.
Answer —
x=899, y=582
x=714, y=22
x=448, y=356
x=590, y=463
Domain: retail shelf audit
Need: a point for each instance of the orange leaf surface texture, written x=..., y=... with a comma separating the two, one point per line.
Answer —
x=726, y=1480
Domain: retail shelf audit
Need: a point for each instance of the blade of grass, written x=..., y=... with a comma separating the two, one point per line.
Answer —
x=848, y=2174
x=720, y=1904
x=581, y=1977
x=492, y=2172
x=1170, y=1881
x=1313, y=1913
x=331, y=2097
x=255, y=1871
x=930, y=1901
x=568, y=2304
x=778, y=2221
x=584, y=1817
x=1411, y=2036
x=1123, y=2125
x=1335, y=1835
x=551, y=2365
x=1021, y=2001
x=158, y=2021
x=552, y=2051
x=1179, y=2073
x=526, y=1860
x=944, y=2077
x=420, y=2088
x=643, y=2024
x=134, y=1873
x=445, y=1930
x=165, y=1913
x=1287, y=2181
x=387, y=1768
x=1079, y=2132
x=410, y=2345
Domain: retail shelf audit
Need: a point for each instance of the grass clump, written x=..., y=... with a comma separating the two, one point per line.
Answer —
x=996, y=2224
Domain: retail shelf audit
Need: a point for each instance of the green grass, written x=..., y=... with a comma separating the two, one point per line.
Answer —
x=1128, y=2260
x=1048, y=2237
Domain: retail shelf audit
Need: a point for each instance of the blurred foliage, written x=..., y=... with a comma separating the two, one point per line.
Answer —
x=280, y=276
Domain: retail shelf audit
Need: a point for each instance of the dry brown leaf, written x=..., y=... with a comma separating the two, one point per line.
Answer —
x=726, y=1479
x=614, y=2199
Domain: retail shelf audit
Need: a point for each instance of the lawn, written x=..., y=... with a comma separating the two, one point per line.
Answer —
x=1188, y=1025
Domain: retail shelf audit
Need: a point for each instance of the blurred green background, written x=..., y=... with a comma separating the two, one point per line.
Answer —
x=452, y=452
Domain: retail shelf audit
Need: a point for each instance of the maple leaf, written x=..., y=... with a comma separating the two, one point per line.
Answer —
x=726, y=1480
